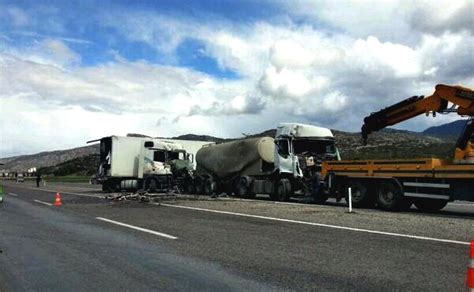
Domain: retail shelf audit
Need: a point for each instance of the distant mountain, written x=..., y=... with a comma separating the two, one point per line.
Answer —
x=45, y=159
x=204, y=138
x=450, y=129
x=84, y=165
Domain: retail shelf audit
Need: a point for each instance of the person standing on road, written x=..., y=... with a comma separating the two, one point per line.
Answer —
x=38, y=179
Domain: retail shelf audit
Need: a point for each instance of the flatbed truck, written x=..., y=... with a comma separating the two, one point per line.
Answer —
x=397, y=184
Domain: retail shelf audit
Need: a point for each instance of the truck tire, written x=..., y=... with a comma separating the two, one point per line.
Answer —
x=390, y=196
x=110, y=186
x=199, y=185
x=273, y=194
x=106, y=188
x=210, y=187
x=152, y=185
x=283, y=190
x=242, y=189
x=430, y=205
x=361, y=195
x=249, y=182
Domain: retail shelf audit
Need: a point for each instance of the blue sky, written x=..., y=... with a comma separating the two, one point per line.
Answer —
x=72, y=71
x=80, y=24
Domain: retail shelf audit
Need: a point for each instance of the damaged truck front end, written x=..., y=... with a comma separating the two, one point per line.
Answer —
x=301, y=149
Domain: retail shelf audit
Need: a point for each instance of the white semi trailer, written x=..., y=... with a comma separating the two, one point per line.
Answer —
x=288, y=165
x=136, y=163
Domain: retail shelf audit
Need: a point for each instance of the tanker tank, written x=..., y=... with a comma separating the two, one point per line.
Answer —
x=253, y=157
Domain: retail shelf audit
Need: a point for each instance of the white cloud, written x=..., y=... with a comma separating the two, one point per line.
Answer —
x=291, y=84
x=342, y=63
x=438, y=17
x=374, y=57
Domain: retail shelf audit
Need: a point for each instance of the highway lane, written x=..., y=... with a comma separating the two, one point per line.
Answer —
x=279, y=254
x=51, y=249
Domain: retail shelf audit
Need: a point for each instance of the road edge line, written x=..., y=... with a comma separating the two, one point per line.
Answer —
x=67, y=193
x=318, y=224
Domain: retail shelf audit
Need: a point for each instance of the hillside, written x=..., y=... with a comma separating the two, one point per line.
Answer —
x=45, y=159
x=450, y=129
x=84, y=165
x=390, y=143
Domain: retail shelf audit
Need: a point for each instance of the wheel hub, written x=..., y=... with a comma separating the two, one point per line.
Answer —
x=388, y=196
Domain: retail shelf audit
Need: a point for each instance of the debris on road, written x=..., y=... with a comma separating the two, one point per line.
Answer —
x=141, y=197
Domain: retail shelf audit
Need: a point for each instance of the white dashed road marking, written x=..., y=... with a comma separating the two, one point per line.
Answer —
x=44, y=203
x=137, y=228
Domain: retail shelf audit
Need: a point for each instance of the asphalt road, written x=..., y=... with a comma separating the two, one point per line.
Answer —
x=68, y=248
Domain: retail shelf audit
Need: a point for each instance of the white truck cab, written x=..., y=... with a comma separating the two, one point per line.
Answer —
x=300, y=145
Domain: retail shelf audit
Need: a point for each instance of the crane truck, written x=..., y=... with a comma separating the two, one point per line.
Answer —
x=397, y=184
x=282, y=167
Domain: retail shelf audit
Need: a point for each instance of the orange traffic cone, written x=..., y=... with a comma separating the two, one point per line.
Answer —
x=470, y=270
x=57, y=201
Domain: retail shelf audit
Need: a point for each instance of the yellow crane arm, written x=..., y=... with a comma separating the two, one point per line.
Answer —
x=462, y=98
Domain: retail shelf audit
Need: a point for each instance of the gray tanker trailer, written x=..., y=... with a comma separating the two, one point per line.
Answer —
x=243, y=167
x=286, y=166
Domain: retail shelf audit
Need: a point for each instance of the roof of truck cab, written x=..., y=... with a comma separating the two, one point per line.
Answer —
x=303, y=130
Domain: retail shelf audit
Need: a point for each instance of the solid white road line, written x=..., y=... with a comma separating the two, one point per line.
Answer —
x=137, y=228
x=44, y=203
x=12, y=194
x=67, y=193
x=320, y=224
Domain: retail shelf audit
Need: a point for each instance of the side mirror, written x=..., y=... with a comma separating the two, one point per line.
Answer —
x=149, y=144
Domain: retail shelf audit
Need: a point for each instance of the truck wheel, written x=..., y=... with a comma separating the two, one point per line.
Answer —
x=152, y=186
x=110, y=186
x=106, y=188
x=283, y=190
x=430, y=205
x=199, y=185
x=390, y=197
x=361, y=196
x=210, y=187
x=241, y=188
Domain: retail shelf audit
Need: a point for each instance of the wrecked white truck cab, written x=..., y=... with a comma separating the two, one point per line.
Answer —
x=138, y=163
x=299, y=146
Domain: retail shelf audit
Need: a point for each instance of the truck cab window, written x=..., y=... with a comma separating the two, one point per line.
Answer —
x=173, y=155
x=159, y=156
x=283, y=148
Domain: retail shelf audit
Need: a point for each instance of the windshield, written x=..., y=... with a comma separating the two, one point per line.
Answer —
x=314, y=146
